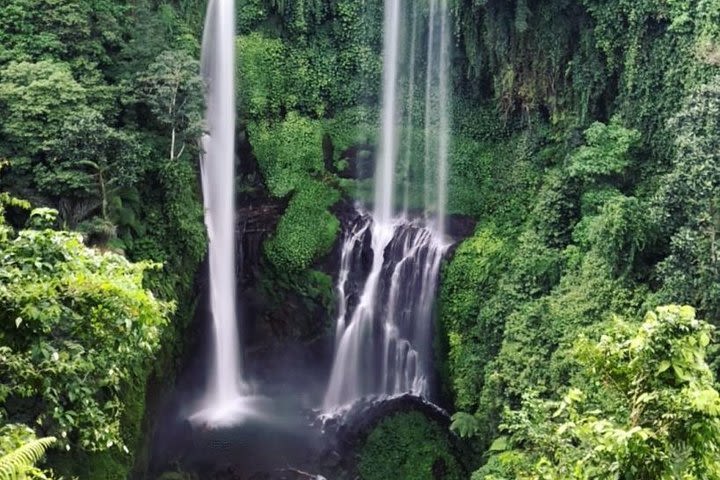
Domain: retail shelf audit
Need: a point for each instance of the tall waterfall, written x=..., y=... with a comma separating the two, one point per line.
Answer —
x=385, y=316
x=218, y=182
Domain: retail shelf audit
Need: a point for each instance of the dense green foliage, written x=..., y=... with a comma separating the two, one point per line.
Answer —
x=307, y=230
x=585, y=142
x=90, y=115
x=101, y=101
x=642, y=405
x=303, y=69
x=78, y=328
x=614, y=102
x=315, y=61
x=687, y=203
x=291, y=161
x=316, y=56
x=408, y=445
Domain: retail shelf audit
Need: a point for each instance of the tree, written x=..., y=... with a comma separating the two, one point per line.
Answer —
x=76, y=327
x=173, y=89
x=82, y=31
x=642, y=406
x=36, y=99
x=62, y=148
x=112, y=159
x=606, y=153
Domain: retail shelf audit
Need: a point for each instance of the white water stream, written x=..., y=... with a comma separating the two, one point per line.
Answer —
x=223, y=402
x=385, y=316
x=385, y=321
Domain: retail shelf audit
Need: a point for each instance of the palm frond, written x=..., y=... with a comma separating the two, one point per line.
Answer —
x=15, y=464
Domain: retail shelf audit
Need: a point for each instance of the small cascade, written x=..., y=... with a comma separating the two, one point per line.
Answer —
x=384, y=336
x=226, y=386
x=385, y=315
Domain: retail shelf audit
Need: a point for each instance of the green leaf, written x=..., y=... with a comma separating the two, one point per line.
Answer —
x=500, y=444
x=465, y=425
x=18, y=462
x=662, y=367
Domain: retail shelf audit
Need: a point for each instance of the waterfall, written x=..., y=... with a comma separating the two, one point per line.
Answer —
x=383, y=342
x=437, y=131
x=385, y=171
x=226, y=385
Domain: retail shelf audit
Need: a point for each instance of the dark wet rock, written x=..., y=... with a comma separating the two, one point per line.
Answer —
x=460, y=227
x=353, y=426
x=254, y=224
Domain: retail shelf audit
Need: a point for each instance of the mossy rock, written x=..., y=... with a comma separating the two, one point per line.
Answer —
x=409, y=446
x=307, y=230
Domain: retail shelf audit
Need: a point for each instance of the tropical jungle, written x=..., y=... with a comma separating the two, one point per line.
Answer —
x=359, y=239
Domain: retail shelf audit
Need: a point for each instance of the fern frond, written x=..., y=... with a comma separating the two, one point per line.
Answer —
x=15, y=464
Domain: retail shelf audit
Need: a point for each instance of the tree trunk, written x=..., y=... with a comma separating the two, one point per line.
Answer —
x=172, y=144
x=103, y=193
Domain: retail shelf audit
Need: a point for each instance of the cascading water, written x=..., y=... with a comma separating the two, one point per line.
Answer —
x=218, y=181
x=383, y=336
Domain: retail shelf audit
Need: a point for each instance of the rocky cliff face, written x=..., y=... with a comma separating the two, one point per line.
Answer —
x=287, y=335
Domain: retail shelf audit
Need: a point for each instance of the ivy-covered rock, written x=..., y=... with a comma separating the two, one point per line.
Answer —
x=408, y=445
